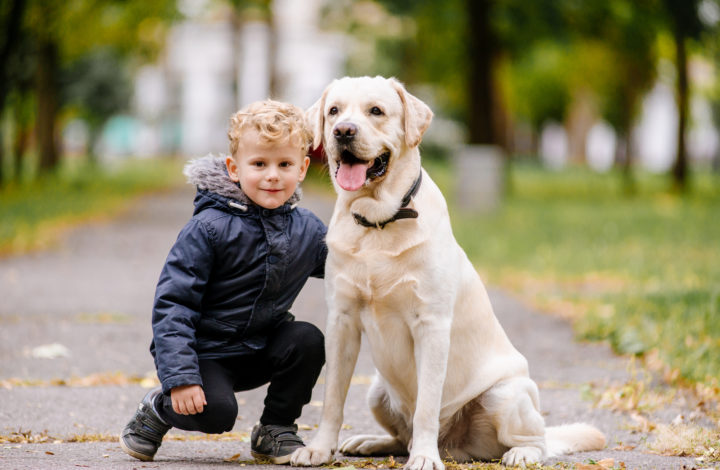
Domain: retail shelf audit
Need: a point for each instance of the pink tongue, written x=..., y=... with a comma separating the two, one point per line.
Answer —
x=351, y=177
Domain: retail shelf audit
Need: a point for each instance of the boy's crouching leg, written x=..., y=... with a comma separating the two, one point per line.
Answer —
x=296, y=355
x=218, y=416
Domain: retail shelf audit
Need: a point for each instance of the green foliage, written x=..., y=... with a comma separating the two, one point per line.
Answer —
x=98, y=85
x=133, y=27
x=33, y=214
x=539, y=90
x=642, y=273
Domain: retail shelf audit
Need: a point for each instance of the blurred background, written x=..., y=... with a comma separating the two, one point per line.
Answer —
x=599, y=83
x=577, y=141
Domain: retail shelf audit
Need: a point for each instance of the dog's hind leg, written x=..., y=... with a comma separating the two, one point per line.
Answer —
x=393, y=422
x=470, y=435
x=513, y=407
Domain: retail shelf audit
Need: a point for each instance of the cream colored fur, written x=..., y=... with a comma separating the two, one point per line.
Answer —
x=449, y=384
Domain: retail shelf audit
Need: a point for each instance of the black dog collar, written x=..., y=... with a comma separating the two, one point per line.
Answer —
x=403, y=213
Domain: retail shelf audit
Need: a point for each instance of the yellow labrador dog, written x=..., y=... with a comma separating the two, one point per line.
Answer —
x=449, y=384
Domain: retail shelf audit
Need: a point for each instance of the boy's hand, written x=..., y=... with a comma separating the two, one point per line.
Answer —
x=188, y=399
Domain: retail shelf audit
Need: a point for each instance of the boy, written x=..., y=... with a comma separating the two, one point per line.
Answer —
x=220, y=318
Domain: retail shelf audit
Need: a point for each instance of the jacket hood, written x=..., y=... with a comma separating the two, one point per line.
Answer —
x=209, y=173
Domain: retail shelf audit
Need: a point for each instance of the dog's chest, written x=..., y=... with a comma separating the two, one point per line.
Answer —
x=376, y=279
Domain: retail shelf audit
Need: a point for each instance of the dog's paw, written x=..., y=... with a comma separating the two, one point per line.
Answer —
x=366, y=444
x=521, y=456
x=424, y=462
x=311, y=456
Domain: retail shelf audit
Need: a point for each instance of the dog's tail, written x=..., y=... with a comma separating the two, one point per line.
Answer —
x=570, y=438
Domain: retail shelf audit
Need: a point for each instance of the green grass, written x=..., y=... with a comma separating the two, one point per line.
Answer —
x=33, y=214
x=641, y=272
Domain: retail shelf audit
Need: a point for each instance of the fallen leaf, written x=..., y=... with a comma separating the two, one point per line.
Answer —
x=49, y=453
x=233, y=458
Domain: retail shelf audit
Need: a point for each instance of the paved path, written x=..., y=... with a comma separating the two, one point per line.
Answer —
x=86, y=303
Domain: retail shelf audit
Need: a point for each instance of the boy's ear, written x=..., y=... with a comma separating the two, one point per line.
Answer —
x=304, y=168
x=315, y=119
x=232, y=168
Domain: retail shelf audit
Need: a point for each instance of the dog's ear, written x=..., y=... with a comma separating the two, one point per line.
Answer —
x=315, y=119
x=417, y=115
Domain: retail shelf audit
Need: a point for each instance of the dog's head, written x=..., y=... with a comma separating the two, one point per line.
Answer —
x=365, y=125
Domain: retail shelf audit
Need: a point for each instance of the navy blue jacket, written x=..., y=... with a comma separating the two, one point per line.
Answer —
x=231, y=276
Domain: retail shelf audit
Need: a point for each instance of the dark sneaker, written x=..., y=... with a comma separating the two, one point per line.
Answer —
x=274, y=442
x=143, y=435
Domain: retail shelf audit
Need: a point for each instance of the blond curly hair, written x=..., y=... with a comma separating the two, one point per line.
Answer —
x=275, y=121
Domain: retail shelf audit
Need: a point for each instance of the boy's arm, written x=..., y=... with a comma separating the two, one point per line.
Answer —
x=178, y=300
x=322, y=251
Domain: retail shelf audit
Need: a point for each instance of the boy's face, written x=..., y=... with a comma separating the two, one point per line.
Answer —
x=268, y=173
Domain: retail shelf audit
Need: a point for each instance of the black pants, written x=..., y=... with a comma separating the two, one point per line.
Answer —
x=290, y=362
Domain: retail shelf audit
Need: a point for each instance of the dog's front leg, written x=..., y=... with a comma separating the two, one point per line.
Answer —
x=432, y=346
x=342, y=344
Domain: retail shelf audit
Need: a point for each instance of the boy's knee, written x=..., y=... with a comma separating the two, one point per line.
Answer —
x=219, y=415
x=312, y=341
x=307, y=341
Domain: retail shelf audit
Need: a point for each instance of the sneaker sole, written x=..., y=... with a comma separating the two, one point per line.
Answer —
x=283, y=459
x=132, y=453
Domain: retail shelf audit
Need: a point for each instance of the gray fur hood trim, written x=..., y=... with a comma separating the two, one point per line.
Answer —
x=210, y=173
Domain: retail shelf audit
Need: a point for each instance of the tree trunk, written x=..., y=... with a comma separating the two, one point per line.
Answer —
x=624, y=149
x=2, y=160
x=236, y=56
x=47, y=100
x=21, y=140
x=275, y=87
x=679, y=170
x=480, y=54
x=12, y=38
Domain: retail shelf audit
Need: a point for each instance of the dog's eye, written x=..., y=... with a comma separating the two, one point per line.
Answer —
x=333, y=111
x=376, y=111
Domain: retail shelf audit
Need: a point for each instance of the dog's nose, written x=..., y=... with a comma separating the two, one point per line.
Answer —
x=345, y=131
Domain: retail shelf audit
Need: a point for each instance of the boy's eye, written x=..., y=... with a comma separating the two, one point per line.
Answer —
x=285, y=164
x=258, y=164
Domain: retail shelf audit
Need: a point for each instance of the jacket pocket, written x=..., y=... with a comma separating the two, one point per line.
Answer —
x=212, y=328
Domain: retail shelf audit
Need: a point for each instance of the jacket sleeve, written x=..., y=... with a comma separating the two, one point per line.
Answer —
x=322, y=251
x=177, y=308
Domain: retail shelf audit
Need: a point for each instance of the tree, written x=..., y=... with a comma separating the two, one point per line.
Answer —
x=459, y=45
x=97, y=86
x=11, y=18
x=58, y=33
x=684, y=24
x=483, y=50
x=242, y=11
x=47, y=89
x=627, y=30
x=538, y=87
